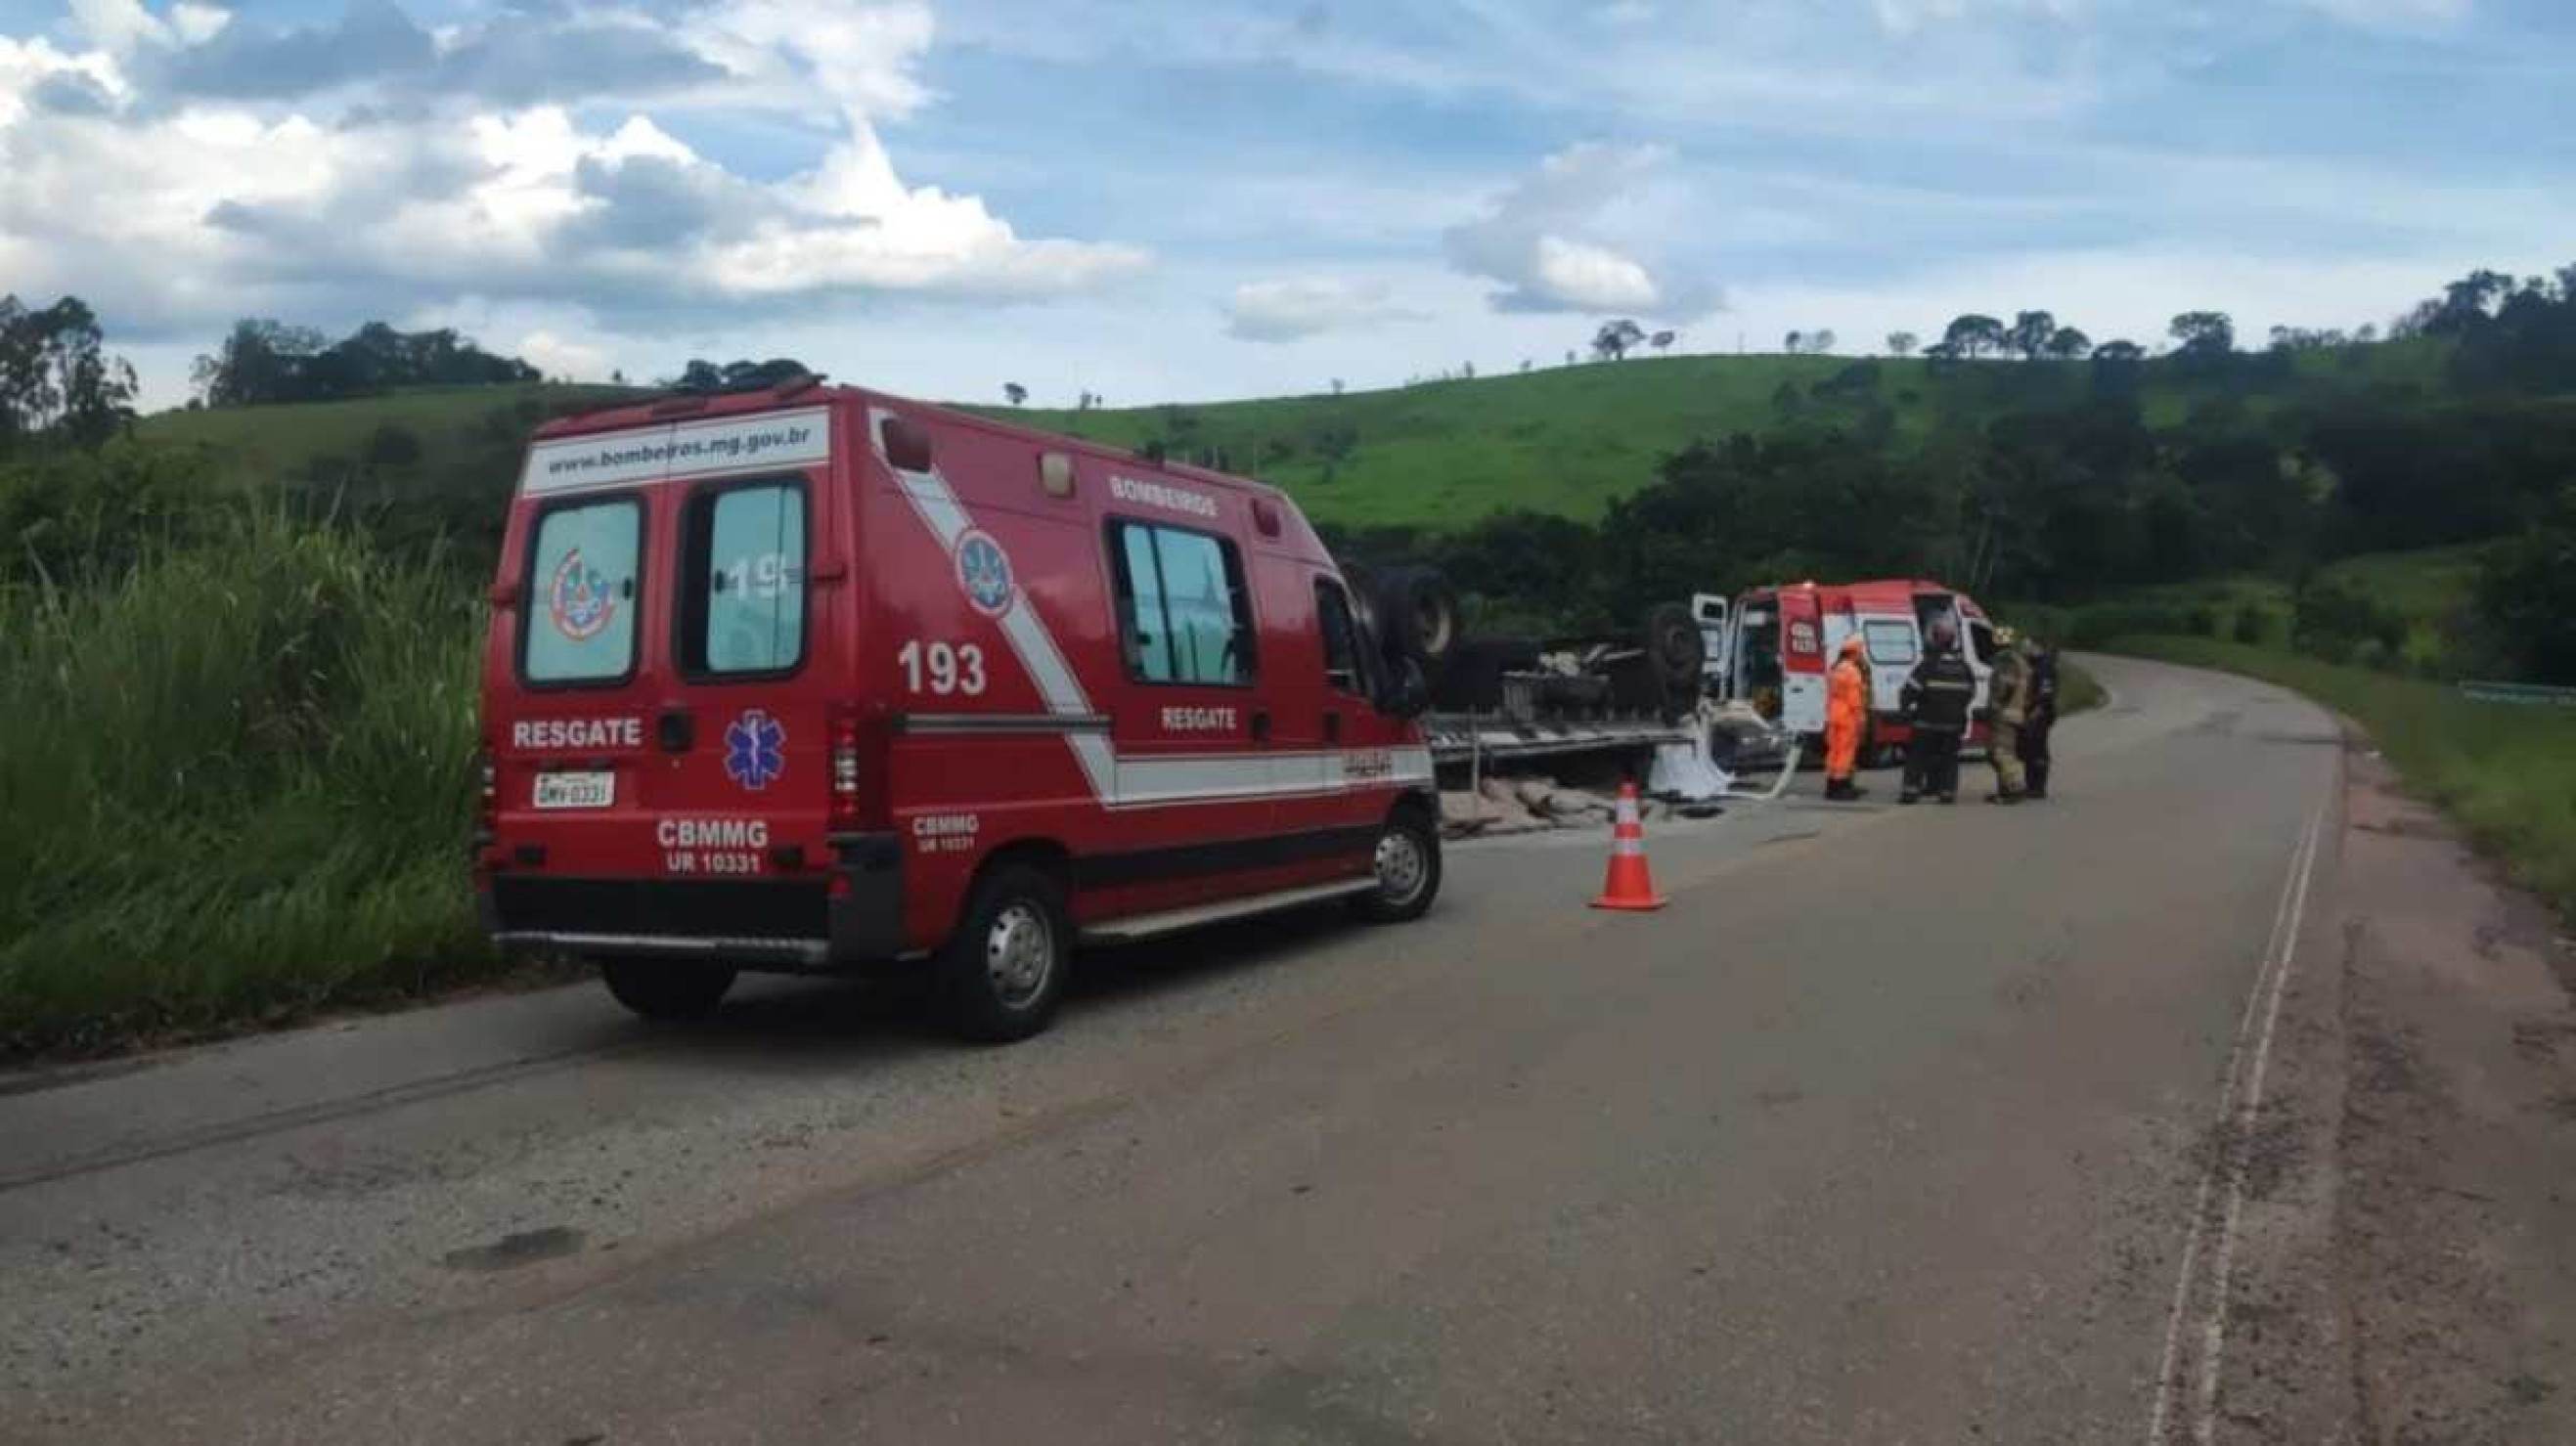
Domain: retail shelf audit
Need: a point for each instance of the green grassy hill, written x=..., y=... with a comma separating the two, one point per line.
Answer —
x=1562, y=440
x=304, y=439
x=1569, y=440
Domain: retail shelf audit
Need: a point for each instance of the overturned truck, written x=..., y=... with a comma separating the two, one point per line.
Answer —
x=1496, y=699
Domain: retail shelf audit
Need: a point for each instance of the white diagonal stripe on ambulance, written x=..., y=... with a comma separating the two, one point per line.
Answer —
x=1130, y=782
x=936, y=503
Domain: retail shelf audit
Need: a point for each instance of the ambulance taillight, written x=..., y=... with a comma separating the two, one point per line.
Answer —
x=487, y=796
x=845, y=769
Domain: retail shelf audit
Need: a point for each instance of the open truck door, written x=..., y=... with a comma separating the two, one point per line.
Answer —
x=1712, y=613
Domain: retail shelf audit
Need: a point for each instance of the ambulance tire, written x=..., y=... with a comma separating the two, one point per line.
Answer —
x=1001, y=975
x=664, y=991
x=1408, y=864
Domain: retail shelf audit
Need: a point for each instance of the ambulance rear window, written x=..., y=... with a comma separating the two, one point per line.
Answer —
x=579, y=624
x=742, y=581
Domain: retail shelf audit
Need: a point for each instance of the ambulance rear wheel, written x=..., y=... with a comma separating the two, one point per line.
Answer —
x=1002, y=972
x=664, y=991
x=1407, y=861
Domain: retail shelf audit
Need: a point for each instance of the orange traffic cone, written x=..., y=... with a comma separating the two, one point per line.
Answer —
x=1630, y=885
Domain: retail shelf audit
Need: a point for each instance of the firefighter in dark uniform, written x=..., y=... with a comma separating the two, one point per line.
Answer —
x=2041, y=717
x=1936, y=699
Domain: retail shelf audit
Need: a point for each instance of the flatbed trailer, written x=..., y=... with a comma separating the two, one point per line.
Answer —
x=1467, y=738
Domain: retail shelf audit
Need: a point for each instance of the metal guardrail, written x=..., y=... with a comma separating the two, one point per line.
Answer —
x=2540, y=694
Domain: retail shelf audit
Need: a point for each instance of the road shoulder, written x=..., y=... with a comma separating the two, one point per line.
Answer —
x=2406, y=1259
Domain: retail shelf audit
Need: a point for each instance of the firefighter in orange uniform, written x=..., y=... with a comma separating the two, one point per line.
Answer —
x=1846, y=715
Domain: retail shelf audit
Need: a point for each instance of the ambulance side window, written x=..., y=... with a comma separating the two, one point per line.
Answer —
x=1183, y=613
x=1889, y=642
x=742, y=584
x=1981, y=639
x=578, y=623
x=1341, y=636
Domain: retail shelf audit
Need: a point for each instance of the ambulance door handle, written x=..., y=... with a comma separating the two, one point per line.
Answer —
x=678, y=728
x=1260, y=725
x=1332, y=727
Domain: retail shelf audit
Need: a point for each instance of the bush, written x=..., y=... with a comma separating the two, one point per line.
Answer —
x=393, y=445
x=237, y=779
x=2096, y=625
x=2334, y=620
x=2202, y=621
x=2526, y=597
x=2252, y=625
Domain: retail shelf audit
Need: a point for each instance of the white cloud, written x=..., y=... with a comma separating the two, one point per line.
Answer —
x=557, y=357
x=1547, y=239
x=196, y=24
x=1297, y=307
x=177, y=210
x=784, y=54
x=1579, y=276
x=116, y=26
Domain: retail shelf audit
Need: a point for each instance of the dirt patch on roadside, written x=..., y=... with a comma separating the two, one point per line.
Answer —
x=2455, y=1227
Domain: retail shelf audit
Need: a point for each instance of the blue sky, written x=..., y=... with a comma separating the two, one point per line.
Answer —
x=1163, y=199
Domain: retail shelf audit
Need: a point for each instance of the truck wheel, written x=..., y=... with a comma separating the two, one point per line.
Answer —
x=1408, y=870
x=1419, y=613
x=1675, y=652
x=1001, y=974
x=664, y=991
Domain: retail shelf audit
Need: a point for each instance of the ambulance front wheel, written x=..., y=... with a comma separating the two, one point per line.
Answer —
x=1002, y=972
x=1408, y=870
x=666, y=991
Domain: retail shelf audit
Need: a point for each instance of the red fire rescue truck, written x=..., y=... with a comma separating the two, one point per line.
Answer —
x=812, y=678
x=1772, y=647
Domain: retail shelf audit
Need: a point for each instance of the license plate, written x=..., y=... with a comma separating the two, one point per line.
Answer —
x=576, y=790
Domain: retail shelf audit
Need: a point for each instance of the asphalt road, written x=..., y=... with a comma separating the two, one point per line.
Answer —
x=1893, y=1127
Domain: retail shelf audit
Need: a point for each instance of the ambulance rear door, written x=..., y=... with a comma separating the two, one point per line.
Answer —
x=1802, y=660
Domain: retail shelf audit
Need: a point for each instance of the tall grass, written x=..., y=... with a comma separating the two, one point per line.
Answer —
x=237, y=781
x=2506, y=772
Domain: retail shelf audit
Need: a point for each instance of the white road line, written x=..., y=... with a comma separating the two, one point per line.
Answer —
x=2272, y=966
x=2213, y=1331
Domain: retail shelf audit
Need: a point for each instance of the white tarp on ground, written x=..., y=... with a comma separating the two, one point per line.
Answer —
x=1685, y=771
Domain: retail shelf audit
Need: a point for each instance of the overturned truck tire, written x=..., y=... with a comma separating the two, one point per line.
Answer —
x=1660, y=672
x=1419, y=613
x=1675, y=652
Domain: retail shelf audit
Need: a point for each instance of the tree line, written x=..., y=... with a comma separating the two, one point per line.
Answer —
x=2055, y=485
x=58, y=385
x=263, y=362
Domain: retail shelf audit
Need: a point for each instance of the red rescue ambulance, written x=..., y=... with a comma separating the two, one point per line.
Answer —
x=809, y=679
x=1772, y=647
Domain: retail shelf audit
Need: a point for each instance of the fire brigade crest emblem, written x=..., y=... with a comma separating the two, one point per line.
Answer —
x=984, y=571
x=580, y=600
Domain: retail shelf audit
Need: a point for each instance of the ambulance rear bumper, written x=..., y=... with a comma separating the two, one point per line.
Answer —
x=850, y=915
